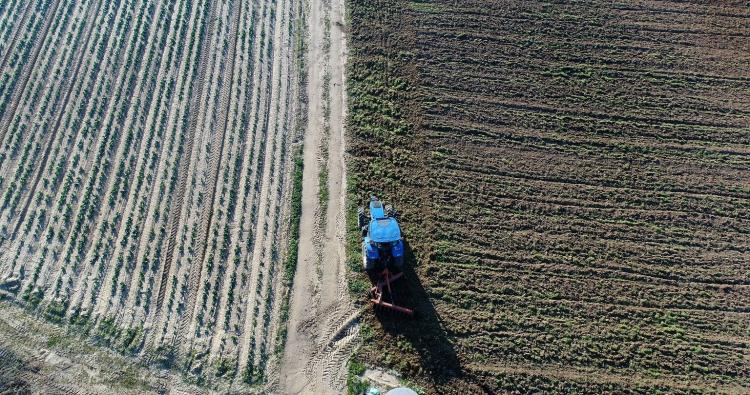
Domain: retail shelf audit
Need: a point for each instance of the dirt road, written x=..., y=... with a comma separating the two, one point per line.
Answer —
x=323, y=322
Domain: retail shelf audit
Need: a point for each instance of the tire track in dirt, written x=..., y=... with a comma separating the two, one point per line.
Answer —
x=181, y=274
x=258, y=118
x=235, y=267
x=185, y=161
x=137, y=194
x=322, y=335
x=337, y=353
x=200, y=208
x=189, y=264
x=247, y=103
x=333, y=348
x=173, y=124
x=254, y=84
x=215, y=167
x=145, y=242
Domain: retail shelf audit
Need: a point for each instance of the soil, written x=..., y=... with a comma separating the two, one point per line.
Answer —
x=42, y=358
x=572, y=181
x=323, y=321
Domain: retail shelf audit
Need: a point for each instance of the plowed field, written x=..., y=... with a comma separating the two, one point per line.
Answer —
x=574, y=179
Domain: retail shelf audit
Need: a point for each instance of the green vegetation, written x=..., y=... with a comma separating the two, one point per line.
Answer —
x=567, y=197
x=296, y=212
x=354, y=384
x=290, y=262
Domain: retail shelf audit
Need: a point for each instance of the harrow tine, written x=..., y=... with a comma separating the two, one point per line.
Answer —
x=377, y=293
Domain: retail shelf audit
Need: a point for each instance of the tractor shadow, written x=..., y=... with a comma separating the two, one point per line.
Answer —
x=423, y=331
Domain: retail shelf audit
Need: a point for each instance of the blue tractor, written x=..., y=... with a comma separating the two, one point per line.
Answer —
x=382, y=252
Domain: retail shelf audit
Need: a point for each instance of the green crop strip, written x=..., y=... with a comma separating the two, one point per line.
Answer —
x=290, y=263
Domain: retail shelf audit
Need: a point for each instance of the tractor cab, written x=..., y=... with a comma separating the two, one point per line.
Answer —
x=382, y=251
x=382, y=245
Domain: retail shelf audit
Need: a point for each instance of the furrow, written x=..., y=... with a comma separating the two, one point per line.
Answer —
x=186, y=161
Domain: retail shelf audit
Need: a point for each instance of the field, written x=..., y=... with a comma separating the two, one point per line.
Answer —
x=40, y=357
x=574, y=184
x=146, y=161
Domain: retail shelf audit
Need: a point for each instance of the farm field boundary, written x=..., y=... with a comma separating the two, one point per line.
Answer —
x=573, y=185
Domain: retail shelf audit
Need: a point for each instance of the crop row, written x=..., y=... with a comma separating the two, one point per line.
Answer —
x=145, y=171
